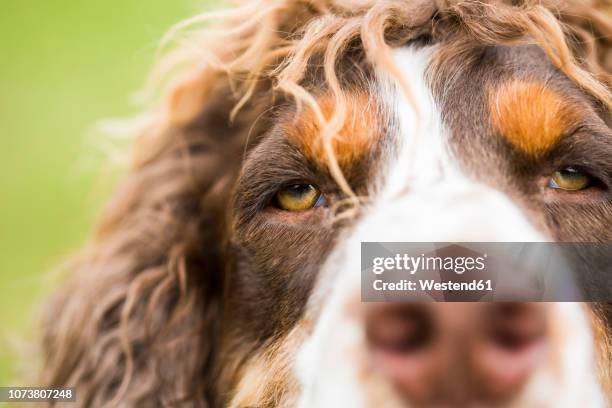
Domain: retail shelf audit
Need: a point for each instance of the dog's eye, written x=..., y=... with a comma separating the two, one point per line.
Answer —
x=298, y=197
x=570, y=179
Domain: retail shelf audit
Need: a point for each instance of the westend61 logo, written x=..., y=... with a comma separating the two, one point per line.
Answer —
x=486, y=271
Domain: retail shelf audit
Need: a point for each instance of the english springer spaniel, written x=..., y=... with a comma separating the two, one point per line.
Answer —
x=225, y=270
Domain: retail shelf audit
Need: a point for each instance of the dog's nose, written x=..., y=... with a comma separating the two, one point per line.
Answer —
x=456, y=354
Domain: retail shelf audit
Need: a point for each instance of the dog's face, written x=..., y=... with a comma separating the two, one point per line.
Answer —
x=491, y=161
x=447, y=141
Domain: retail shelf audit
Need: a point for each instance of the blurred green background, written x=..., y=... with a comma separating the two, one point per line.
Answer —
x=63, y=66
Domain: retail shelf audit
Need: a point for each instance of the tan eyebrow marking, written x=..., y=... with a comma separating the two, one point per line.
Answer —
x=531, y=116
x=356, y=138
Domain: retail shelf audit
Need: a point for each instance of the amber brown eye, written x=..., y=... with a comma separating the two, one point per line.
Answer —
x=298, y=197
x=570, y=179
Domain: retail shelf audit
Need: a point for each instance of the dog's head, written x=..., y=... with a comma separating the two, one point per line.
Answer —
x=225, y=271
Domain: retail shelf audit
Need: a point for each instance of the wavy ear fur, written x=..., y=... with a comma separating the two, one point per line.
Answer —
x=138, y=321
x=589, y=24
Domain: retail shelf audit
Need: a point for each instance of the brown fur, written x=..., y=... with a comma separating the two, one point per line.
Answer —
x=531, y=116
x=354, y=140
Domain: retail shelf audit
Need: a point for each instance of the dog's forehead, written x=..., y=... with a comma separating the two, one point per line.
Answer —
x=505, y=104
x=511, y=95
x=511, y=91
x=356, y=137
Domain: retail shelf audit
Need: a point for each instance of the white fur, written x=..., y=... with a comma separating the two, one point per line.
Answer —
x=423, y=197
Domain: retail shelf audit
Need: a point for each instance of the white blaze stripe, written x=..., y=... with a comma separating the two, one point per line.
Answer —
x=421, y=148
x=422, y=186
x=422, y=197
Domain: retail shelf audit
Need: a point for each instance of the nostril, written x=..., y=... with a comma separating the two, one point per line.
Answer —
x=515, y=327
x=399, y=328
x=514, y=338
x=402, y=340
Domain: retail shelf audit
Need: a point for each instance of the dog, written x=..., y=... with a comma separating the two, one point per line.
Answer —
x=223, y=271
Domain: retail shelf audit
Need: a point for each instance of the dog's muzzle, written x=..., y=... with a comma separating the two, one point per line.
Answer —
x=396, y=354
